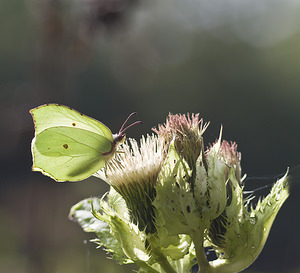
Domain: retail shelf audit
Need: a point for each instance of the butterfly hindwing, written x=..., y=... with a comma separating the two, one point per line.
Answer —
x=70, y=146
x=69, y=154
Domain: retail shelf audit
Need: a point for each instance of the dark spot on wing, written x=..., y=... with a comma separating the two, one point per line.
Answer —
x=188, y=209
x=74, y=124
x=66, y=146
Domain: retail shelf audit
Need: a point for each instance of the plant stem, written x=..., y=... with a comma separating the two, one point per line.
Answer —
x=144, y=265
x=198, y=239
x=162, y=260
x=165, y=265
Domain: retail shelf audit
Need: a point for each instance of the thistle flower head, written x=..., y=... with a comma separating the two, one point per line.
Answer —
x=134, y=164
x=227, y=152
x=187, y=133
x=197, y=182
x=239, y=235
x=133, y=173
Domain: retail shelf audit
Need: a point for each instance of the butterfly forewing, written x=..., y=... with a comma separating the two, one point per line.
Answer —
x=54, y=115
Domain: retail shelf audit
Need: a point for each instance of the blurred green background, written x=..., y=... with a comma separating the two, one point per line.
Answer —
x=235, y=62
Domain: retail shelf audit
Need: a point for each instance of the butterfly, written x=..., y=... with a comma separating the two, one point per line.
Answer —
x=70, y=146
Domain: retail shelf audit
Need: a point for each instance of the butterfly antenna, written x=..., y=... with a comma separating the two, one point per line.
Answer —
x=131, y=115
x=122, y=129
x=130, y=125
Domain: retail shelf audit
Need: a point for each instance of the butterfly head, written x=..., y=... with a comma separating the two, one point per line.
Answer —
x=121, y=136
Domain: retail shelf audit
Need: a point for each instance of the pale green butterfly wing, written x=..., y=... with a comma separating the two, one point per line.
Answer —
x=55, y=115
x=69, y=154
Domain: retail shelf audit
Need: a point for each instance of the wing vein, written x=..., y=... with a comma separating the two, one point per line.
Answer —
x=84, y=144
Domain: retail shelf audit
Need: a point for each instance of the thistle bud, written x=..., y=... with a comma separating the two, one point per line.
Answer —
x=189, y=198
x=239, y=235
x=187, y=133
x=229, y=155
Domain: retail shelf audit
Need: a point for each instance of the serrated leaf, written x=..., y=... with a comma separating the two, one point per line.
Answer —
x=117, y=203
x=130, y=238
x=186, y=263
x=178, y=251
x=246, y=233
x=82, y=213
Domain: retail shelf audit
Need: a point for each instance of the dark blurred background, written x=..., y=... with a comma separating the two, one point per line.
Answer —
x=235, y=62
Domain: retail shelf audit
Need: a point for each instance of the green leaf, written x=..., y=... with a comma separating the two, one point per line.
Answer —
x=185, y=264
x=245, y=233
x=178, y=251
x=131, y=239
x=82, y=213
x=117, y=203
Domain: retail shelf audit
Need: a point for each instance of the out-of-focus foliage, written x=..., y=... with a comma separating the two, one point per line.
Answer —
x=235, y=62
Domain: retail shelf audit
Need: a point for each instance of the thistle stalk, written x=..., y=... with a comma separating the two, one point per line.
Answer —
x=198, y=239
x=161, y=260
